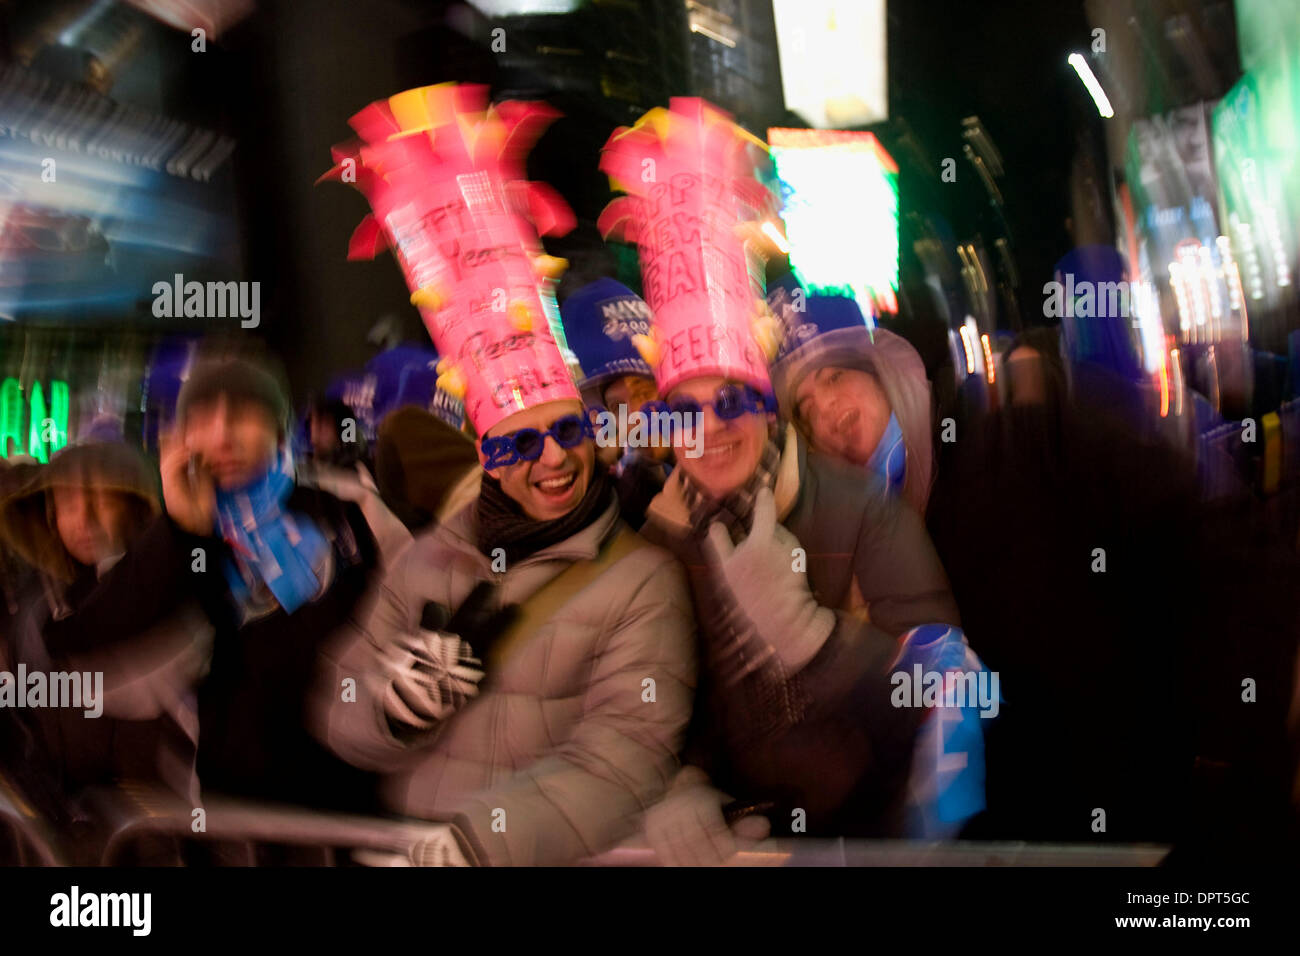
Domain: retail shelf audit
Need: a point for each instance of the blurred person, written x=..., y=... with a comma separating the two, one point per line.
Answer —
x=425, y=468
x=275, y=566
x=802, y=570
x=73, y=521
x=338, y=464
x=502, y=678
x=334, y=432
x=1127, y=614
x=794, y=704
x=601, y=320
x=858, y=395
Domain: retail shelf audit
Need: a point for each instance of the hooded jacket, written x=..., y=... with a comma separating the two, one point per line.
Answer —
x=901, y=374
x=148, y=726
x=807, y=740
x=561, y=745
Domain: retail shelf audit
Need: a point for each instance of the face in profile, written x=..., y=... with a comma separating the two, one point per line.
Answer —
x=552, y=485
x=234, y=439
x=729, y=450
x=845, y=412
x=90, y=521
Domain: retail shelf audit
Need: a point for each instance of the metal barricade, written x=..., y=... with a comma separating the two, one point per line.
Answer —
x=25, y=838
x=814, y=852
x=148, y=827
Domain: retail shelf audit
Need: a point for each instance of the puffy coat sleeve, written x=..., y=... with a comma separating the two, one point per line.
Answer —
x=593, y=788
x=899, y=576
x=898, y=572
x=349, y=719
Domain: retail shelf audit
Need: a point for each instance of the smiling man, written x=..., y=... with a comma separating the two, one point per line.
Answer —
x=529, y=668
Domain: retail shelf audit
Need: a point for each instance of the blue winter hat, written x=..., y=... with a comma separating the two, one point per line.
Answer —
x=599, y=322
x=820, y=314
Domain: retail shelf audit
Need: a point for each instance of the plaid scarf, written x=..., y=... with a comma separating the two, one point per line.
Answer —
x=736, y=510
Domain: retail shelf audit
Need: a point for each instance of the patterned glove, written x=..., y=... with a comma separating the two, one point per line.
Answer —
x=437, y=670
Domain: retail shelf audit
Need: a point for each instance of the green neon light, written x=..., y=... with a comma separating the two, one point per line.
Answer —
x=35, y=444
x=59, y=404
x=47, y=428
x=11, y=416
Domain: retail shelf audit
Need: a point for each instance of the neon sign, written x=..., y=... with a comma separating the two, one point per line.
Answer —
x=841, y=213
x=46, y=425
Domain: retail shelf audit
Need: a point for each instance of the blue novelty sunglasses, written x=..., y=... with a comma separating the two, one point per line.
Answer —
x=526, y=444
x=730, y=401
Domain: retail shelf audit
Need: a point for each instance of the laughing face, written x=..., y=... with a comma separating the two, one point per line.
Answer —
x=551, y=486
x=730, y=450
x=845, y=412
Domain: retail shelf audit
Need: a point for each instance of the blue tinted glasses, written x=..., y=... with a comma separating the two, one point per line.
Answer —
x=729, y=402
x=526, y=444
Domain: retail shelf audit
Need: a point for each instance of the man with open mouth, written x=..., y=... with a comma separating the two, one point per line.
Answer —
x=528, y=670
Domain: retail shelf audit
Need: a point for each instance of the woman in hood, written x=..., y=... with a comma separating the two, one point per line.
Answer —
x=71, y=521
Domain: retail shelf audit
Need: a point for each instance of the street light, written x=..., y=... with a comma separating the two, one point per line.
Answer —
x=1081, y=67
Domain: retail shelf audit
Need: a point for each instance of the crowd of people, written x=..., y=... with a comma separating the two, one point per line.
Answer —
x=558, y=642
x=699, y=650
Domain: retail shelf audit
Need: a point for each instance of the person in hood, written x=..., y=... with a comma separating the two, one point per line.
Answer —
x=72, y=522
x=857, y=394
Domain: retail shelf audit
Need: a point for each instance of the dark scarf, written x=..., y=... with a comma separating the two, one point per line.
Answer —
x=503, y=524
x=736, y=510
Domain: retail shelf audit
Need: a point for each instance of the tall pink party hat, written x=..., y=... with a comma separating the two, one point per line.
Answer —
x=695, y=208
x=444, y=175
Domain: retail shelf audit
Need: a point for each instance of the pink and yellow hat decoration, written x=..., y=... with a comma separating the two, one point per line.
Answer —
x=695, y=208
x=444, y=175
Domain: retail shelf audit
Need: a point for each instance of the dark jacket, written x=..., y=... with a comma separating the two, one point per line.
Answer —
x=253, y=738
x=824, y=739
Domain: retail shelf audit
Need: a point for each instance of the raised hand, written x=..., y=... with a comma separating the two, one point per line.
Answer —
x=188, y=489
x=760, y=574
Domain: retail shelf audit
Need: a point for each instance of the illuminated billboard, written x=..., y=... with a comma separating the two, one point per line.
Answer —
x=840, y=194
x=833, y=66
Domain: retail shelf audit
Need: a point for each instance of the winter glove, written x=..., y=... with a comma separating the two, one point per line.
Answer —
x=436, y=671
x=476, y=621
x=687, y=827
x=440, y=847
x=431, y=676
x=759, y=573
